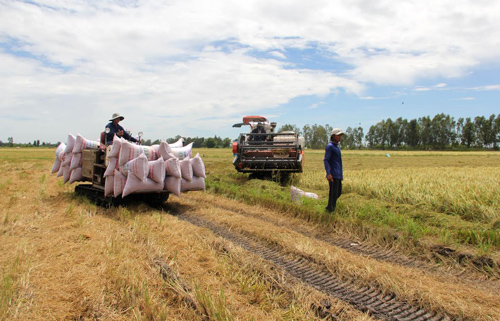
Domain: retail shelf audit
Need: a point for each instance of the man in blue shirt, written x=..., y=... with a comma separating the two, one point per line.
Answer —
x=116, y=129
x=333, y=167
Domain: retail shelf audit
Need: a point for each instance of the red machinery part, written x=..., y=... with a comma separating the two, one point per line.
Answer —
x=235, y=147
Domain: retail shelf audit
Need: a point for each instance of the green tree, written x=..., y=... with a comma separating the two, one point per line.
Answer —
x=290, y=127
x=226, y=142
x=210, y=143
x=468, y=137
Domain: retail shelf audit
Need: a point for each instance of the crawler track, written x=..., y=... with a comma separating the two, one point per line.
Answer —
x=367, y=299
x=369, y=250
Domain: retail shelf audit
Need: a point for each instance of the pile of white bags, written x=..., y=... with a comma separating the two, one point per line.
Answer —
x=139, y=169
x=68, y=161
x=134, y=168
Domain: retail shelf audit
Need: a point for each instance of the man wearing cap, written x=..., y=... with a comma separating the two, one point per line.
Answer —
x=116, y=129
x=333, y=167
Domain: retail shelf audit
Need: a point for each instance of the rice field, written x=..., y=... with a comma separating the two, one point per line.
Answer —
x=64, y=258
x=445, y=198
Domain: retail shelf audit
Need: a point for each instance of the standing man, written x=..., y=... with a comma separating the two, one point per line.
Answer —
x=333, y=167
x=113, y=128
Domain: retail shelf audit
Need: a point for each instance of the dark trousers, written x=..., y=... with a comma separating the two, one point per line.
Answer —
x=334, y=194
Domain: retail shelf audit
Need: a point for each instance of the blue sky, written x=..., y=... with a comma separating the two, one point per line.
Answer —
x=194, y=68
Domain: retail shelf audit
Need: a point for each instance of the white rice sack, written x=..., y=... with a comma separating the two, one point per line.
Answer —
x=66, y=159
x=70, y=144
x=173, y=167
x=183, y=152
x=296, y=194
x=66, y=174
x=198, y=166
x=119, y=183
x=82, y=143
x=58, y=159
x=178, y=143
x=109, y=185
x=173, y=185
x=156, y=170
x=112, y=165
x=115, y=147
x=135, y=185
x=56, y=166
x=164, y=150
x=129, y=151
x=60, y=150
x=76, y=175
x=196, y=184
x=137, y=166
x=186, y=169
x=60, y=171
x=76, y=161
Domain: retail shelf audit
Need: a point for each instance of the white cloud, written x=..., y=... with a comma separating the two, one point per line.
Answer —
x=72, y=64
x=466, y=98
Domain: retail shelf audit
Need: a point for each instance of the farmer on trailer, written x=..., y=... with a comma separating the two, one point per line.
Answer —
x=333, y=167
x=113, y=128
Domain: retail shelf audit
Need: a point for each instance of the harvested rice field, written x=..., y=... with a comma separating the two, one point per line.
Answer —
x=416, y=236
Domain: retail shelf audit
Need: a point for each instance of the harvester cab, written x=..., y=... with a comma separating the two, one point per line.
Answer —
x=263, y=150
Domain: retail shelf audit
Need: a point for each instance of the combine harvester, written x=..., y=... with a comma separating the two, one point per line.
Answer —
x=267, y=154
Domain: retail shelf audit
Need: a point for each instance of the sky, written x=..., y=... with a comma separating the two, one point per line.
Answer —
x=196, y=67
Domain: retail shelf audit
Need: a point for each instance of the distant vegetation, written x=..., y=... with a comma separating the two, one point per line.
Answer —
x=442, y=132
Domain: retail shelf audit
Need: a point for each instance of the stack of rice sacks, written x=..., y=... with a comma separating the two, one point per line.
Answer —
x=134, y=168
x=68, y=161
x=139, y=169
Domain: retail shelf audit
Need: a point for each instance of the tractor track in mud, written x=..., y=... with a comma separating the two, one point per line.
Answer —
x=367, y=299
x=372, y=251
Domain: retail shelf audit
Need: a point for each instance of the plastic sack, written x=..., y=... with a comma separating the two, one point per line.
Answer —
x=76, y=161
x=129, y=151
x=66, y=161
x=196, y=184
x=115, y=147
x=70, y=144
x=198, y=166
x=112, y=165
x=75, y=175
x=163, y=150
x=156, y=170
x=119, y=183
x=135, y=185
x=178, y=143
x=59, y=157
x=56, y=166
x=82, y=143
x=109, y=185
x=296, y=194
x=60, y=150
x=137, y=166
x=173, y=167
x=66, y=174
x=173, y=185
x=183, y=152
x=186, y=169
x=60, y=171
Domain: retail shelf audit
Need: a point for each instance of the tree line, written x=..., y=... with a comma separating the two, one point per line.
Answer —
x=441, y=132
